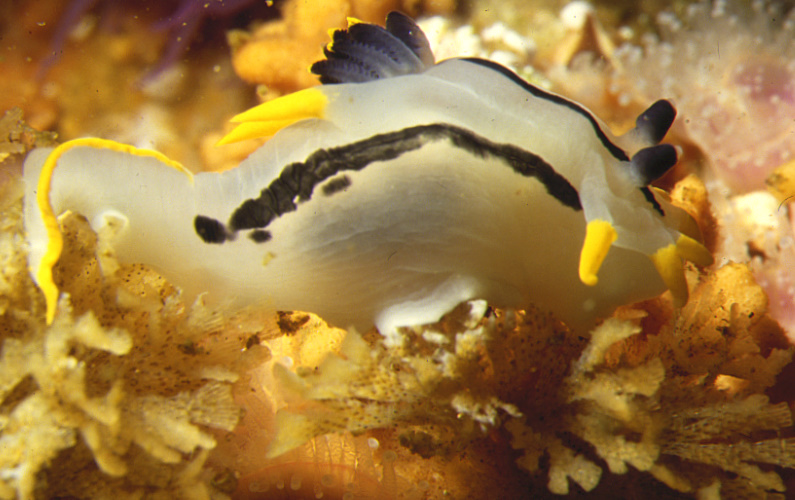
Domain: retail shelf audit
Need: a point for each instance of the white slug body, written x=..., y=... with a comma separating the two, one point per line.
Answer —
x=388, y=202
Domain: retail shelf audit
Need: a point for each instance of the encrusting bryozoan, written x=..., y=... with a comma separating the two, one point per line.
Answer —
x=388, y=195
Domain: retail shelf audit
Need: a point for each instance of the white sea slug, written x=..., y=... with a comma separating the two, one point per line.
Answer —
x=388, y=195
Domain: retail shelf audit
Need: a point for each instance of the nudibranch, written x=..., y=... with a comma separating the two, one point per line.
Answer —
x=389, y=194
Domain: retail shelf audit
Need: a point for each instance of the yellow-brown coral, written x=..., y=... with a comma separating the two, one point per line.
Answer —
x=782, y=182
x=78, y=394
x=640, y=395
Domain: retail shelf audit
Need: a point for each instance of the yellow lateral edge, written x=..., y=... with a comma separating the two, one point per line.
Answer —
x=54, y=237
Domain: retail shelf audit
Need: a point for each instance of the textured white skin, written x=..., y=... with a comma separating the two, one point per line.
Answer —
x=411, y=237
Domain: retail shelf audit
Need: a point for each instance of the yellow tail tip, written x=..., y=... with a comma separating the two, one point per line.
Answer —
x=599, y=236
x=51, y=295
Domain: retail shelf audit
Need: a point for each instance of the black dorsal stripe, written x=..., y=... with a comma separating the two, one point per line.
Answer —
x=298, y=180
x=652, y=200
x=612, y=148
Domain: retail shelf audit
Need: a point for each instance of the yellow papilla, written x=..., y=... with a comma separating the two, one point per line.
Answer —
x=270, y=117
x=599, y=236
x=331, y=31
x=253, y=130
x=670, y=268
x=43, y=274
x=692, y=250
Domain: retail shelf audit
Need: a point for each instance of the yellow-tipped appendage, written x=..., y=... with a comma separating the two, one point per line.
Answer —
x=43, y=274
x=669, y=263
x=599, y=236
x=670, y=267
x=270, y=117
x=692, y=250
x=331, y=31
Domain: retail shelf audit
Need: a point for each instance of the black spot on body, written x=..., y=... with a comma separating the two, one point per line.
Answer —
x=336, y=185
x=210, y=230
x=260, y=236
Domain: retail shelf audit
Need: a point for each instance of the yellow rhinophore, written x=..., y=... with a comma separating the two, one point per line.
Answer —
x=54, y=238
x=599, y=236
